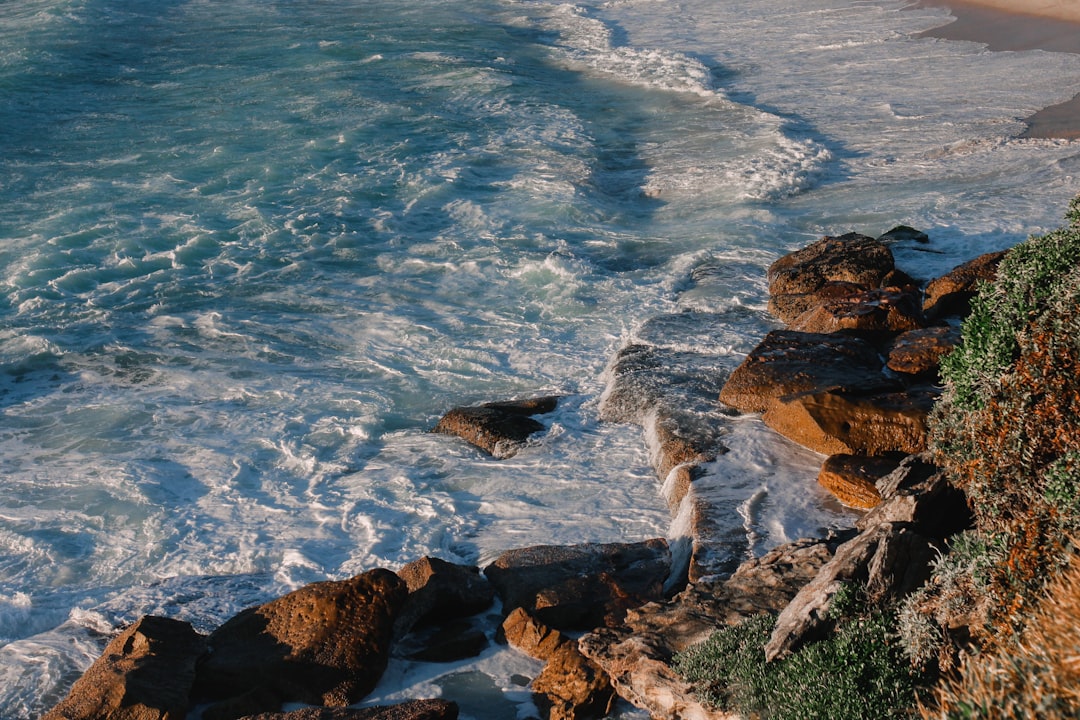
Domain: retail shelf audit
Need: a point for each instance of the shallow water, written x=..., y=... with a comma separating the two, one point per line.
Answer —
x=250, y=252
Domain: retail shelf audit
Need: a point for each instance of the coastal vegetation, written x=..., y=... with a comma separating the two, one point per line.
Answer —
x=994, y=631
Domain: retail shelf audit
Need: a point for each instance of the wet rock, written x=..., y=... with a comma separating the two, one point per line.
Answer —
x=324, y=644
x=950, y=295
x=449, y=642
x=850, y=258
x=904, y=234
x=498, y=428
x=787, y=362
x=918, y=353
x=411, y=710
x=581, y=586
x=526, y=634
x=836, y=422
x=636, y=655
x=440, y=591
x=853, y=478
x=145, y=673
x=882, y=310
x=572, y=687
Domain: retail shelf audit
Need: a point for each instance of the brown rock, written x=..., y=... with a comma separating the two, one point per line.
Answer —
x=581, y=586
x=498, y=428
x=573, y=687
x=145, y=673
x=789, y=306
x=788, y=362
x=525, y=633
x=835, y=423
x=324, y=644
x=889, y=309
x=440, y=591
x=950, y=294
x=411, y=710
x=918, y=494
x=852, y=478
x=851, y=258
x=918, y=353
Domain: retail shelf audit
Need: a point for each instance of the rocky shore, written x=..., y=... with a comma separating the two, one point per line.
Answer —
x=851, y=376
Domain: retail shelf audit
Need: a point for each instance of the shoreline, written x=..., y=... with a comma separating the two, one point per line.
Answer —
x=1020, y=25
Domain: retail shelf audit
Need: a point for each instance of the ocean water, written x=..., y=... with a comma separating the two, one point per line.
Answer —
x=251, y=251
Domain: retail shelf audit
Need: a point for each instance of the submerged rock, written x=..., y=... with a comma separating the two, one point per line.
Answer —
x=497, y=428
x=145, y=673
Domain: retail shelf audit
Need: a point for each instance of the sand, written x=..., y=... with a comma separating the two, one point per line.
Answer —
x=1052, y=25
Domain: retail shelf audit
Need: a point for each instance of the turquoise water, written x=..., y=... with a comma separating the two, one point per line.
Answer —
x=250, y=252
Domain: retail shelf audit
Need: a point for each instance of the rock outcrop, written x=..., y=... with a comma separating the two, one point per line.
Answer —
x=951, y=294
x=497, y=428
x=324, y=644
x=441, y=591
x=145, y=673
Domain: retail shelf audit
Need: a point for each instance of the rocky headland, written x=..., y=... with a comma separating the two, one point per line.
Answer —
x=853, y=376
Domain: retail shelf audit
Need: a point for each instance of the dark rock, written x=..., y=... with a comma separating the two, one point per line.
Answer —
x=789, y=306
x=853, y=478
x=455, y=640
x=788, y=362
x=498, y=428
x=950, y=294
x=834, y=422
x=440, y=591
x=882, y=310
x=919, y=494
x=572, y=687
x=324, y=644
x=851, y=258
x=581, y=586
x=145, y=673
x=904, y=234
x=918, y=353
x=411, y=710
x=637, y=655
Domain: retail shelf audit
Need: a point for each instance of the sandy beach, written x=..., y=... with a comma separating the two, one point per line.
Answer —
x=1003, y=25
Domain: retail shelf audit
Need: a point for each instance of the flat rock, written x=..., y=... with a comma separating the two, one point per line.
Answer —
x=851, y=258
x=145, y=673
x=581, y=586
x=497, y=428
x=787, y=362
x=412, y=710
x=853, y=478
x=950, y=294
x=836, y=422
x=918, y=353
x=881, y=310
x=324, y=644
x=440, y=591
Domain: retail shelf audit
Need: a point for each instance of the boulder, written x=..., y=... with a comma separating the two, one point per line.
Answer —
x=449, y=642
x=904, y=234
x=572, y=687
x=581, y=586
x=324, y=644
x=918, y=353
x=145, y=673
x=526, y=634
x=882, y=310
x=918, y=494
x=837, y=422
x=789, y=306
x=440, y=591
x=950, y=294
x=853, y=478
x=497, y=428
x=851, y=258
x=787, y=362
x=411, y=710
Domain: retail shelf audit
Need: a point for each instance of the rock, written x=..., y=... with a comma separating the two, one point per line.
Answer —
x=572, y=687
x=525, y=633
x=918, y=353
x=440, y=591
x=882, y=310
x=636, y=655
x=145, y=673
x=950, y=294
x=852, y=478
x=889, y=560
x=324, y=644
x=581, y=586
x=836, y=422
x=788, y=362
x=498, y=428
x=411, y=710
x=789, y=306
x=452, y=641
x=917, y=493
x=904, y=234
x=851, y=258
